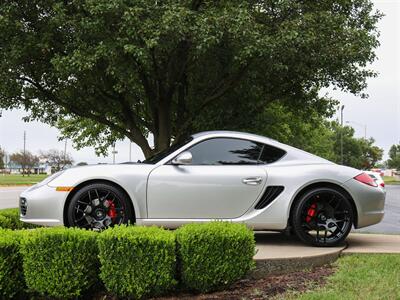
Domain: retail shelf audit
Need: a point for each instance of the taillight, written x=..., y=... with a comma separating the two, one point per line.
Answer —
x=382, y=184
x=365, y=178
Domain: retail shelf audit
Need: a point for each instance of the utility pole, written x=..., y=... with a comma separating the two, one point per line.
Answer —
x=24, y=160
x=114, y=152
x=130, y=151
x=365, y=131
x=65, y=153
x=341, y=133
x=362, y=125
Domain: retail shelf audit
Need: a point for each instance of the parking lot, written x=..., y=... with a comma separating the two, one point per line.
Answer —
x=391, y=221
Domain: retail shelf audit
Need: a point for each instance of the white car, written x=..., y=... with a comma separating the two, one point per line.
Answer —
x=218, y=175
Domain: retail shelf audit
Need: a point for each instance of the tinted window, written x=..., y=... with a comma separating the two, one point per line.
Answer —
x=225, y=151
x=271, y=154
x=160, y=155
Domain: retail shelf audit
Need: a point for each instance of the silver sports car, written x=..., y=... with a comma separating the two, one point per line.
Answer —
x=218, y=175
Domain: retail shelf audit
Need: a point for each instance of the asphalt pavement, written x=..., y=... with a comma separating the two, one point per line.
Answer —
x=9, y=196
x=390, y=224
x=391, y=220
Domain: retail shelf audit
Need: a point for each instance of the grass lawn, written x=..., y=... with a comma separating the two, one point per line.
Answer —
x=16, y=179
x=390, y=180
x=361, y=276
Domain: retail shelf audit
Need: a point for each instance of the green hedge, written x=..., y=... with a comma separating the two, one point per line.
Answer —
x=9, y=219
x=12, y=282
x=214, y=254
x=137, y=261
x=60, y=262
x=131, y=261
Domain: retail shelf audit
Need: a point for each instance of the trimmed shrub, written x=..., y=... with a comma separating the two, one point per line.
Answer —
x=12, y=281
x=213, y=255
x=9, y=219
x=137, y=261
x=60, y=262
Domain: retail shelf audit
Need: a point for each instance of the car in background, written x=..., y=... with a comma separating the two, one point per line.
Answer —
x=377, y=178
x=379, y=171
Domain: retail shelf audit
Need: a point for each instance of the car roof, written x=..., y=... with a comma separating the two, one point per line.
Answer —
x=292, y=152
x=235, y=134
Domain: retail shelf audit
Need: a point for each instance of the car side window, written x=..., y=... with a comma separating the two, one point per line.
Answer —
x=226, y=151
x=271, y=154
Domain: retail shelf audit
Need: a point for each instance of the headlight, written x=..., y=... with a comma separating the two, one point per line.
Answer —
x=47, y=180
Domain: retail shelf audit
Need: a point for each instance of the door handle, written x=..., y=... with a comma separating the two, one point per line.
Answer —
x=252, y=180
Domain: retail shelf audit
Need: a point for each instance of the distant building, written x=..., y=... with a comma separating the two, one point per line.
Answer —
x=390, y=172
x=40, y=168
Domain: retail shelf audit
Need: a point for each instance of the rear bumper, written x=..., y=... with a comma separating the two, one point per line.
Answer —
x=43, y=206
x=369, y=201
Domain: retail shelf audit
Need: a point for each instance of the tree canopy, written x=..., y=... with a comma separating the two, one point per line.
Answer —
x=56, y=159
x=359, y=153
x=102, y=70
x=25, y=159
x=2, y=156
x=394, y=157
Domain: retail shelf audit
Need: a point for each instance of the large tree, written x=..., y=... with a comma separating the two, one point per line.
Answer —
x=2, y=157
x=102, y=70
x=56, y=159
x=371, y=154
x=25, y=159
x=394, y=157
x=305, y=128
x=358, y=153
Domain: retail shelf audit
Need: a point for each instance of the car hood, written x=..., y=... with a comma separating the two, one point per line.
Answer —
x=118, y=173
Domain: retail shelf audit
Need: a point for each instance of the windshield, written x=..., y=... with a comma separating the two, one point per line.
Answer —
x=164, y=153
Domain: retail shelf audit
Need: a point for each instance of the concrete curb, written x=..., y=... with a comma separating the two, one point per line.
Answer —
x=265, y=267
x=373, y=243
x=278, y=254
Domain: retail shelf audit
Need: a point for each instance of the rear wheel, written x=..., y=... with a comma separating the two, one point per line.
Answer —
x=322, y=217
x=98, y=206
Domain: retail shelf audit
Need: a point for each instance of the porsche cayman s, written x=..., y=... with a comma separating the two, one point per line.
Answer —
x=217, y=175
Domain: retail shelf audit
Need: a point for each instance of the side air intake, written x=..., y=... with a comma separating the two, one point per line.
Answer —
x=270, y=194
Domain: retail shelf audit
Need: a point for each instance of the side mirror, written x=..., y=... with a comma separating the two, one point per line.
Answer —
x=185, y=158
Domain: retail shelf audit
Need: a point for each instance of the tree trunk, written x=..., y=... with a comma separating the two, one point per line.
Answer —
x=162, y=135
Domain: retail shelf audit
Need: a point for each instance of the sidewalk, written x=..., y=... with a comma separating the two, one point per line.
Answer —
x=372, y=243
x=279, y=246
x=277, y=253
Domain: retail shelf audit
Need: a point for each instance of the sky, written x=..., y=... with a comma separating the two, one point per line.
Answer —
x=380, y=113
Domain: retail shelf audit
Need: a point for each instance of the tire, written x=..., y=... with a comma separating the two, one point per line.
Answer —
x=322, y=217
x=98, y=206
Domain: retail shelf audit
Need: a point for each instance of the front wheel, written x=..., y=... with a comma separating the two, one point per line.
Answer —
x=322, y=217
x=98, y=206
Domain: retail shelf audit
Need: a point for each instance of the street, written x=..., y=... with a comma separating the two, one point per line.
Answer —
x=390, y=224
x=9, y=196
x=391, y=220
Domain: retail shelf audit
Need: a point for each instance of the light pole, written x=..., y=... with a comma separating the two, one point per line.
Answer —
x=359, y=124
x=65, y=153
x=113, y=153
x=130, y=151
x=341, y=133
x=24, y=161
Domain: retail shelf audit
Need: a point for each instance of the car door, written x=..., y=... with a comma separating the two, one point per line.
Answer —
x=222, y=182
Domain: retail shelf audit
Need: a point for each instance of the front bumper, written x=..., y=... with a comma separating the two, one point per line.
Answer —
x=369, y=201
x=43, y=206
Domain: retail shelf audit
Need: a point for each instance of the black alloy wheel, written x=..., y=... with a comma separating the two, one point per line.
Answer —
x=322, y=217
x=98, y=206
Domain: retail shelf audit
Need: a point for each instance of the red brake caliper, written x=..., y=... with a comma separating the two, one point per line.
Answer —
x=311, y=212
x=112, y=212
